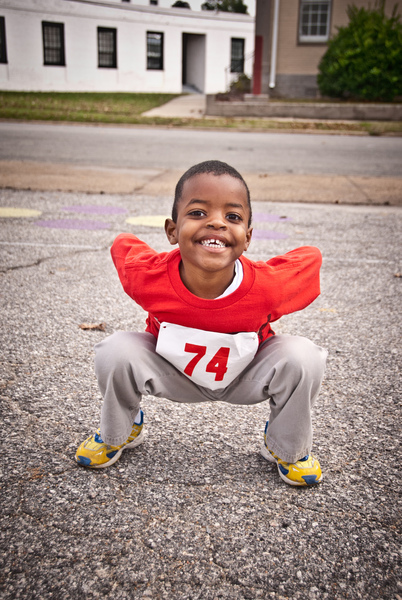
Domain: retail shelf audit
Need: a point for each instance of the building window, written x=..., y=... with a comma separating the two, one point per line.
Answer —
x=314, y=21
x=107, y=48
x=154, y=51
x=53, y=44
x=153, y=2
x=237, y=55
x=3, y=47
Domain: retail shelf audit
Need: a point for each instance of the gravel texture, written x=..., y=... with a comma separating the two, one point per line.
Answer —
x=195, y=512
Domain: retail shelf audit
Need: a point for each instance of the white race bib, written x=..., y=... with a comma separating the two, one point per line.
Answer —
x=210, y=359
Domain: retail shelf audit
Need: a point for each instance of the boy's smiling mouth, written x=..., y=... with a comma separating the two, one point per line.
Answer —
x=213, y=243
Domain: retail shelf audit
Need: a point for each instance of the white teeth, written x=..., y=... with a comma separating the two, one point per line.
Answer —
x=212, y=243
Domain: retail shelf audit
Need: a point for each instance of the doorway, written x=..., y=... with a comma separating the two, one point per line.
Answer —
x=193, y=61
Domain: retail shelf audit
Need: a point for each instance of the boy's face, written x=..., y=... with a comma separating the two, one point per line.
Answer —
x=212, y=223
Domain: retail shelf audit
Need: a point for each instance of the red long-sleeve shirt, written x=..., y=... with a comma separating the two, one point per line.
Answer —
x=269, y=290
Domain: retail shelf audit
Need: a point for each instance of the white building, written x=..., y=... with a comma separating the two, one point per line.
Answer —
x=119, y=46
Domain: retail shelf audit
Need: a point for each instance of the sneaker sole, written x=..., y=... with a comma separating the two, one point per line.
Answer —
x=136, y=442
x=268, y=456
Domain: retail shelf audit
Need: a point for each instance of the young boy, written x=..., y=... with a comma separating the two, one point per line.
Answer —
x=208, y=334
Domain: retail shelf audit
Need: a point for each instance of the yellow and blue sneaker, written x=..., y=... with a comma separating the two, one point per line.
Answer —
x=95, y=454
x=306, y=471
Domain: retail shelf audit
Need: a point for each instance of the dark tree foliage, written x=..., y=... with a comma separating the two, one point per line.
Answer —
x=364, y=59
x=181, y=4
x=235, y=6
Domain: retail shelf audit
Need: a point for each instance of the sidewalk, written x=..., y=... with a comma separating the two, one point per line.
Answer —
x=190, y=106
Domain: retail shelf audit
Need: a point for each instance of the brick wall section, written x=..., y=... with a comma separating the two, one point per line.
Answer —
x=295, y=59
x=303, y=59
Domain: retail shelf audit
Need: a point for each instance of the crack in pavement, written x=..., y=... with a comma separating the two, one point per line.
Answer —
x=47, y=258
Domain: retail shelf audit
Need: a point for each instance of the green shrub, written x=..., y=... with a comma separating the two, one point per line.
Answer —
x=242, y=85
x=364, y=59
x=236, y=6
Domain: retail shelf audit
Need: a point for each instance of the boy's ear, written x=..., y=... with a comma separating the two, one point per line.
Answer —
x=170, y=229
x=248, y=238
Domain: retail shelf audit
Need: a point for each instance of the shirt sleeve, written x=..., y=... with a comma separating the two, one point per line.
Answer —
x=297, y=279
x=130, y=254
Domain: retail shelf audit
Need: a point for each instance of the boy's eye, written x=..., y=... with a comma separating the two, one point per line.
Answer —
x=234, y=217
x=197, y=213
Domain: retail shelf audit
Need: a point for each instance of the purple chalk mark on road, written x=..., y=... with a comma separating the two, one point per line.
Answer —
x=261, y=234
x=73, y=224
x=96, y=210
x=269, y=217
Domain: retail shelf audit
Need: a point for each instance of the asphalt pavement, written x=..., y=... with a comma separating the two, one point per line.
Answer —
x=289, y=167
x=195, y=512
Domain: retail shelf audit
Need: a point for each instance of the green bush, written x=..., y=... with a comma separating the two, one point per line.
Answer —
x=364, y=59
x=242, y=85
x=236, y=6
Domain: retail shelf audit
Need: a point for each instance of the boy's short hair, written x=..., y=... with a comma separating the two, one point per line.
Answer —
x=214, y=167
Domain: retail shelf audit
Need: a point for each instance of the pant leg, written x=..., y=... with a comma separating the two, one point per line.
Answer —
x=288, y=370
x=127, y=367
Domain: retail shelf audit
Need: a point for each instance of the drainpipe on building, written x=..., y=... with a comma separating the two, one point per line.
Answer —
x=272, y=73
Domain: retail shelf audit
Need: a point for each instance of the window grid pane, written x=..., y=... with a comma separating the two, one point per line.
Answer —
x=237, y=56
x=3, y=47
x=314, y=20
x=53, y=44
x=107, y=54
x=154, y=51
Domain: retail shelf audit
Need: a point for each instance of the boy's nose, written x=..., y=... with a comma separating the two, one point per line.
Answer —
x=216, y=222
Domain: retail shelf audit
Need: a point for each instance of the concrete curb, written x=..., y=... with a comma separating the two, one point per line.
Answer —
x=263, y=108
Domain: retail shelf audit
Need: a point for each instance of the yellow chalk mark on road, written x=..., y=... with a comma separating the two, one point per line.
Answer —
x=148, y=220
x=10, y=212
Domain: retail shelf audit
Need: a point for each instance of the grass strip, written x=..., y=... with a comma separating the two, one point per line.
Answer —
x=127, y=109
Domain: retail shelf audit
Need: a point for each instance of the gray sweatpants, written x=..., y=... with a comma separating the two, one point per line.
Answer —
x=287, y=370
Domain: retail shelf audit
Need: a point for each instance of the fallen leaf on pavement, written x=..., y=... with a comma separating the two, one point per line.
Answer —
x=97, y=326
